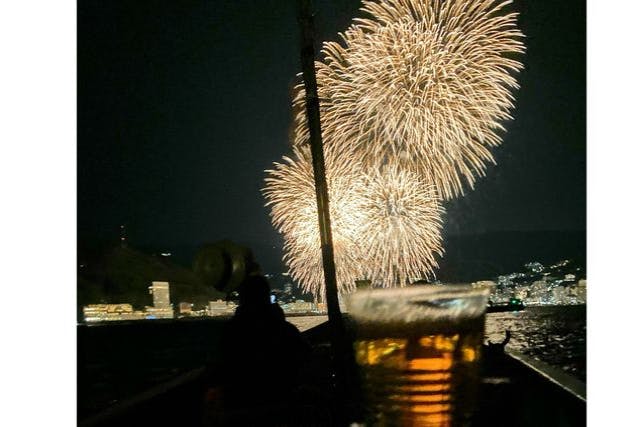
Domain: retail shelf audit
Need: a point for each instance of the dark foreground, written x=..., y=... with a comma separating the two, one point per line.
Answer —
x=512, y=393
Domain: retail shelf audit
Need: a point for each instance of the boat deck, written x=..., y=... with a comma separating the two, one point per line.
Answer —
x=514, y=392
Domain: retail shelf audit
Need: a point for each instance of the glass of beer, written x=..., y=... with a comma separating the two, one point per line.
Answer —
x=418, y=350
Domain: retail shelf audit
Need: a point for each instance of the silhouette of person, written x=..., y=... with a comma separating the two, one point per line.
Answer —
x=263, y=354
x=499, y=347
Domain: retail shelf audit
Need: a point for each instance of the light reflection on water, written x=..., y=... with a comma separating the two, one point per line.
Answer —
x=306, y=322
x=554, y=334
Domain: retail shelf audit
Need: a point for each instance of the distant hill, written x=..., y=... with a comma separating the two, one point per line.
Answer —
x=487, y=255
x=113, y=274
x=123, y=275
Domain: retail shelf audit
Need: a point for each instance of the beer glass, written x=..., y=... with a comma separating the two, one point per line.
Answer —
x=418, y=350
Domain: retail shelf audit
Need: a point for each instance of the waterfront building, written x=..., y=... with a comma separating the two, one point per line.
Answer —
x=110, y=312
x=199, y=313
x=184, y=308
x=158, y=312
x=300, y=306
x=559, y=295
x=221, y=308
x=160, y=292
x=162, y=307
x=581, y=291
x=538, y=292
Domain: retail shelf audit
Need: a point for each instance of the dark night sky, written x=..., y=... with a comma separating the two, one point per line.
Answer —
x=182, y=105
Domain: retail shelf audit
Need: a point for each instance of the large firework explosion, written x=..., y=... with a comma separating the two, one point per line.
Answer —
x=411, y=100
x=386, y=225
x=423, y=82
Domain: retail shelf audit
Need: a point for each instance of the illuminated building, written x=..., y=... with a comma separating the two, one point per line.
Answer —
x=199, y=313
x=559, y=295
x=221, y=308
x=160, y=292
x=162, y=307
x=300, y=306
x=158, y=313
x=581, y=291
x=110, y=312
x=184, y=308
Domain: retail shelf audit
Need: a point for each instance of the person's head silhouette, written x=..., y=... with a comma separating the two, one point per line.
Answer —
x=254, y=292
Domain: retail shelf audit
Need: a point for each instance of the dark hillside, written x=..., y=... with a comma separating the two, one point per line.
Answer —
x=123, y=275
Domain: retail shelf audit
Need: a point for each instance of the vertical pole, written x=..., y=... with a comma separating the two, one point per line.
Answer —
x=322, y=196
x=336, y=324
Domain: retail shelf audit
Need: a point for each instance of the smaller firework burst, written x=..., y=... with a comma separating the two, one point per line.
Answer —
x=290, y=193
x=401, y=235
x=386, y=223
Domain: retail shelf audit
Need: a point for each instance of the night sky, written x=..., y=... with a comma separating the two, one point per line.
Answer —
x=183, y=105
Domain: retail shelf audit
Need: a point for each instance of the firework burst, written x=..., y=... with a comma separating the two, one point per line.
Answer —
x=423, y=82
x=401, y=234
x=290, y=193
x=412, y=101
x=386, y=225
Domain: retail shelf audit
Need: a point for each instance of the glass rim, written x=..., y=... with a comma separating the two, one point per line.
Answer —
x=416, y=303
x=428, y=289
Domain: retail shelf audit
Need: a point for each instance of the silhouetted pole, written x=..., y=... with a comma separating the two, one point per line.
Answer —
x=336, y=324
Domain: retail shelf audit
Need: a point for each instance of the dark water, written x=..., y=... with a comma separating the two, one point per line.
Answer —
x=555, y=335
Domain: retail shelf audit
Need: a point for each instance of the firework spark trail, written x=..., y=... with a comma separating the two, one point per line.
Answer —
x=427, y=83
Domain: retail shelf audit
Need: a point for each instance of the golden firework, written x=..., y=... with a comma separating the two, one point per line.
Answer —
x=386, y=225
x=425, y=83
x=401, y=234
x=290, y=193
x=412, y=100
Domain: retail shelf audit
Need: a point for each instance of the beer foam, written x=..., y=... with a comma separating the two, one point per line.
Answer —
x=423, y=303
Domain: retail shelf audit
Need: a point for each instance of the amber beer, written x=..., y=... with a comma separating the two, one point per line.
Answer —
x=418, y=351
